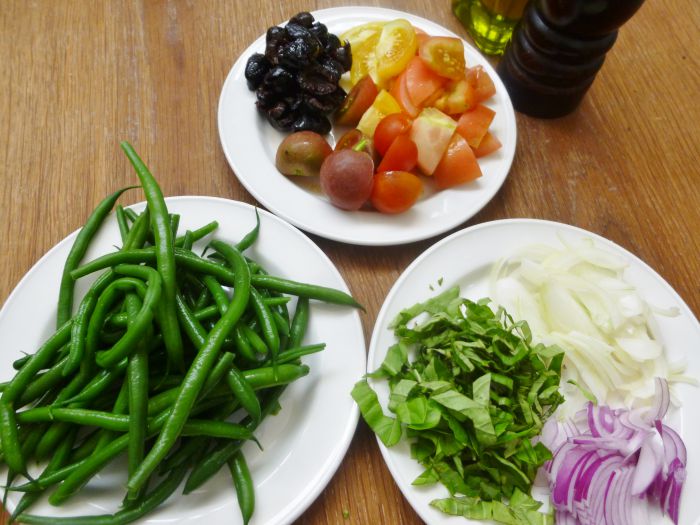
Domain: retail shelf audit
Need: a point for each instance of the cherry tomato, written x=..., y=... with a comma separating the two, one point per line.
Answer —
x=395, y=191
x=444, y=55
x=359, y=99
x=388, y=129
x=402, y=155
x=352, y=137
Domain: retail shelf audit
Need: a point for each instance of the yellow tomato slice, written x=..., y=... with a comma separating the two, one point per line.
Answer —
x=384, y=104
x=396, y=47
x=363, y=40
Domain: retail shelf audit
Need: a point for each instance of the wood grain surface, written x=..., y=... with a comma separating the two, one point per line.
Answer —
x=76, y=77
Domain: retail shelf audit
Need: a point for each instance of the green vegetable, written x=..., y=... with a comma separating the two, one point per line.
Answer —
x=470, y=390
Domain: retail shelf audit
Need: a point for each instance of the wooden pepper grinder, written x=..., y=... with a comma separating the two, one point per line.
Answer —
x=557, y=50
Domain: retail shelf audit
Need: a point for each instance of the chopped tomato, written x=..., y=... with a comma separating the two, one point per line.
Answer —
x=458, y=97
x=458, y=165
x=474, y=124
x=421, y=35
x=352, y=138
x=421, y=81
x=388, y=129
x=396, y=46
x=431, y=132
x=488, y=145
x=395, y=191
x=383, y=105
x=357, y=102
x=363, y=39
x=399, y=91
x=402, y=155
x=444, y=55
x=482, y=83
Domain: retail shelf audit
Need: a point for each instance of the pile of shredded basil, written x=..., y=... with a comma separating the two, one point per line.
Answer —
x=471, y=393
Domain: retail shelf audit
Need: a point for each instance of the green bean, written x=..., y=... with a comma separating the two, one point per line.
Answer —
x=256, y=342
x=206, y=313
x=243, y=346
x=243, y=482
x=98, y=384
x=293, y=354
x=77, y=251
x=165, y=259
x=217, y=458
x=17, y=364
x=300, y=322
x=142, y=321
x=187, y=240
x=10, y=439
x=121, y=222
x=249, y=239
x=221, y=299
x=43, y=383
x=244, y=393
x=131, y=214
x=225, y=276
x=137, y=381
x=196, y=375
x=265, y=377
x=174, y=223
x=198, y=234
x=194, y=331
x=269, y=329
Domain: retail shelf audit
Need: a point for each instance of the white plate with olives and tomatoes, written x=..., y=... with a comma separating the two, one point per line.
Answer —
x=250, y=142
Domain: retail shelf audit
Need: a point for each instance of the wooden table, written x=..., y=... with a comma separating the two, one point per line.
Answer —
x=76, y=77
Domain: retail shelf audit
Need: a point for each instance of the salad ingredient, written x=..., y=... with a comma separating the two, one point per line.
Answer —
x=395, y=48
x=575, y=294
x=483, y=85
x=354, y=137
x=296, y=80
x=302, y=153
x=431, y=131
x=610, y=464
x=458, y=165
x=384, y=104
x=346, y=178
x=160, y=416
x=458, y=96
x=358, y=101
x=362, y=40
x=402, y=155
x=421, y=81
x=471, y=401
x=444, y=55
x=395, y=191
x=488, y=145
x=474, y=124
x=399, y=90
x=388, y=129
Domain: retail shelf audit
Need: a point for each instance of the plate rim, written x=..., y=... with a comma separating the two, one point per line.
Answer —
x=399, y=236
x=318, y=480
x=382, y=320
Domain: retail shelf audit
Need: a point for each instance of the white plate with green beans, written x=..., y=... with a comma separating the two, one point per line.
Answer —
x=300, y=447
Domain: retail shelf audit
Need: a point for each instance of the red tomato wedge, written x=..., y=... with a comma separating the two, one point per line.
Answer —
x=474, y=124
x=402, y=155
x=421, y=81
x=488, y=145
x=389, y=128
x=458, y=165
x=444, y=55
x=357, y=102
x=400, y=92
x=421, y=35
x=458, y=96
x=395, y=191
x=482, y=83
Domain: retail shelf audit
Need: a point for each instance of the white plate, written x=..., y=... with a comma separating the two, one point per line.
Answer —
x=250, y=144
x=465, y=259
x=304, y=443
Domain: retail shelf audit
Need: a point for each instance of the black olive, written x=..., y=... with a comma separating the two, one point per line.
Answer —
x=297, y=53
x=320, y=31
x=294, y=101
x=304, y=19
x=336, y=98
x=275, y=38
x=255, y=70
x=315, y=84
x=266, y=97
x=312, y=122
x=295, y=31
x=330, y=69
x=285, y=123
x=280, y=80
x=319, y=104
x=278, y=110
x=332, y=43
x=343, y=55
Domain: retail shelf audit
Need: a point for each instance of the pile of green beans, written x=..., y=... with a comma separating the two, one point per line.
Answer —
x=171, y=358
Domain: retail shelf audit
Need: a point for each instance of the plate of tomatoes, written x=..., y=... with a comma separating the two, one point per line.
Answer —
x=406, y=140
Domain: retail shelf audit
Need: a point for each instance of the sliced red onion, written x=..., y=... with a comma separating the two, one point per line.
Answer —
x=608, y=464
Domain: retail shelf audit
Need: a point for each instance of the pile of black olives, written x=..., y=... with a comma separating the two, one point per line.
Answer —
x=296, y=79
